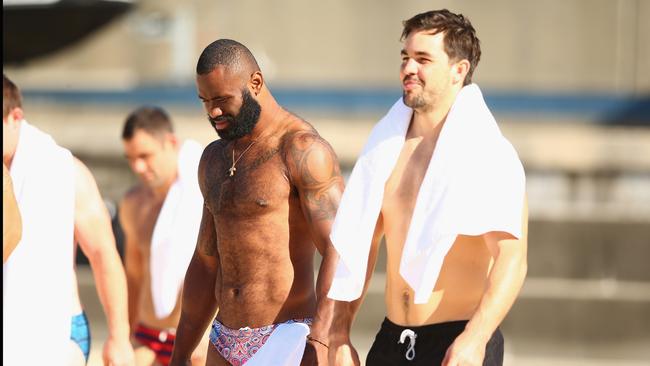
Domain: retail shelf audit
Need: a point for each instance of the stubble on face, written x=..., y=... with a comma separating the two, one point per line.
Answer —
x=415, y=100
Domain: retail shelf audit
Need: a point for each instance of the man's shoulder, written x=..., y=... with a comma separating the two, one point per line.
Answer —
x=299, y=132
x=213, y=149
x=306, y=152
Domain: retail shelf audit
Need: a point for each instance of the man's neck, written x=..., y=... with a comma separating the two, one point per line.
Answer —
x=271, y=114
x=11, y=147
x=8, y=159
x=159, y=193
x=428, y=122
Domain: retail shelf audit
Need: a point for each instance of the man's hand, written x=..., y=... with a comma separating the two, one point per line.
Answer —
x=315, y=354
x=118, y=353
x=465, y=351
x=343, y=354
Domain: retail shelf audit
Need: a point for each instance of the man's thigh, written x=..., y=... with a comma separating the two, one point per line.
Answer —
x=214, y=358
x=77, y=357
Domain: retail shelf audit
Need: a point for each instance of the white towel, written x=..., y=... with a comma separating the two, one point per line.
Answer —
x=177, y=228
x=37, y=278
x=284, y=347
x=474, y=184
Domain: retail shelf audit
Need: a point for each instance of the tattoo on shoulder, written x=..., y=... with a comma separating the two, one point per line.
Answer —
x=316, y=174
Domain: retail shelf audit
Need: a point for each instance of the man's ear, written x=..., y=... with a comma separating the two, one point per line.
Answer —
x=459, y=70
x=256, y=82
x=172, y=139
x=15, y=115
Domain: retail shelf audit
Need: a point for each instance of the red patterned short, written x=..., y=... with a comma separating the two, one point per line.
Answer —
x=160, y=341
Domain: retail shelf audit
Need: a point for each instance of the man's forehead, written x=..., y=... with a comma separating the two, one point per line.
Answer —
x=221, y=77
x=425, y=41
x=222, y=72
x=142, y=137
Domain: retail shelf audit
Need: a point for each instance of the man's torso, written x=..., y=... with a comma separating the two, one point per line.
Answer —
x=145, y=210
x=264, y=246
x=464, y=271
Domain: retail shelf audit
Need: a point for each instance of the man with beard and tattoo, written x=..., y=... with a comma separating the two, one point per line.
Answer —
x=271, y=187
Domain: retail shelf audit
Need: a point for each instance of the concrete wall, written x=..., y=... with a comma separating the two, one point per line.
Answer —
x=566, y=46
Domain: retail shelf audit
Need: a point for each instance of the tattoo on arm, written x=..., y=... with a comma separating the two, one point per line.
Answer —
x=316, y=174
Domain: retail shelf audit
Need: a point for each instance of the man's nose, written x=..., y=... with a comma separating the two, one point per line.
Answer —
x=215, y=112
x=139, y=166
x=410, y=67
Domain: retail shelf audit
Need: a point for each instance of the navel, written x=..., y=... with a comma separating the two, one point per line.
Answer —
x=406, y=298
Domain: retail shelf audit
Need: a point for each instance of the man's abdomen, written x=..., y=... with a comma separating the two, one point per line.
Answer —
x=457, y=293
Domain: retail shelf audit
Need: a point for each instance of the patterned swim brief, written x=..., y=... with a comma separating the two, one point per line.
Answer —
x=237, y=346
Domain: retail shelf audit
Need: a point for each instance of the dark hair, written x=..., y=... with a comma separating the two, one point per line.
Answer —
x=153, y=120
x=11, y=97
x=227, y=52
x=459, y=36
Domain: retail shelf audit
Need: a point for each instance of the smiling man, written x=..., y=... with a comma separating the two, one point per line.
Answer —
x=271, y=186
x=445, y=189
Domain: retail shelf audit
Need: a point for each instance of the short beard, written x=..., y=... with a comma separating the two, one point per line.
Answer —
x=415, y=102
x=244, y=122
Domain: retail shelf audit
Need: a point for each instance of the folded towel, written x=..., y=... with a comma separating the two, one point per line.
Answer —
x=474, y=184
x=177, y=228
x=284, y=347
x=38, y=277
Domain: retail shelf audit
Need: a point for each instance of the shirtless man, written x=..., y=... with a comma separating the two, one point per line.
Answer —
x=28, y=151
x=12, y=225
x=153, y=150
x=481, y=274
x=271, y=186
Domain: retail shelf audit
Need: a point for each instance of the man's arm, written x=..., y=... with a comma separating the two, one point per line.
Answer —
x=95, y=236
x=199, y=303
x=12, y=224
x=132, y=259
x=504, y=282
x=341, y=352
x=314, y=171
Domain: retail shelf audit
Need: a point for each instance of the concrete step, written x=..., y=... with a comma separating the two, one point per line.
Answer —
x=589, y=250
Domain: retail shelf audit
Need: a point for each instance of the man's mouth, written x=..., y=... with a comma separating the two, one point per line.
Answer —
x=410, y=84
x=220, y=123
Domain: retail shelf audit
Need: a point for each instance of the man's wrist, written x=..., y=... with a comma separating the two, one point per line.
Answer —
x=120, y=333
x=318, y=342
x=477, y=332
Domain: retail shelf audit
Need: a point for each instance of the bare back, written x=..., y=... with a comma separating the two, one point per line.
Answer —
x=264, y=244
x=465, y=269
x=138, y=215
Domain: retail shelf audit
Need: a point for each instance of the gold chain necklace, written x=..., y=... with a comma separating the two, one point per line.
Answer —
x=232, y=169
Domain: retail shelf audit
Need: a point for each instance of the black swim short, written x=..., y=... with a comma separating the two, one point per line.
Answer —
x=424, y=345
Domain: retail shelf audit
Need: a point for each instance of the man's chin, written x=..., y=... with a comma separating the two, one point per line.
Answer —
x=225, y=135
x=149, y=183
x=413, y=101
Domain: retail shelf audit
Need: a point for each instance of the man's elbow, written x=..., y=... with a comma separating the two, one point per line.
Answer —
x=101, y=253
x=515, y=260
x=523, y=269
x=519, y=263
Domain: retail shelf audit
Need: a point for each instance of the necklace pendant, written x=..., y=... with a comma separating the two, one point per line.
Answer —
x=232, y=171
